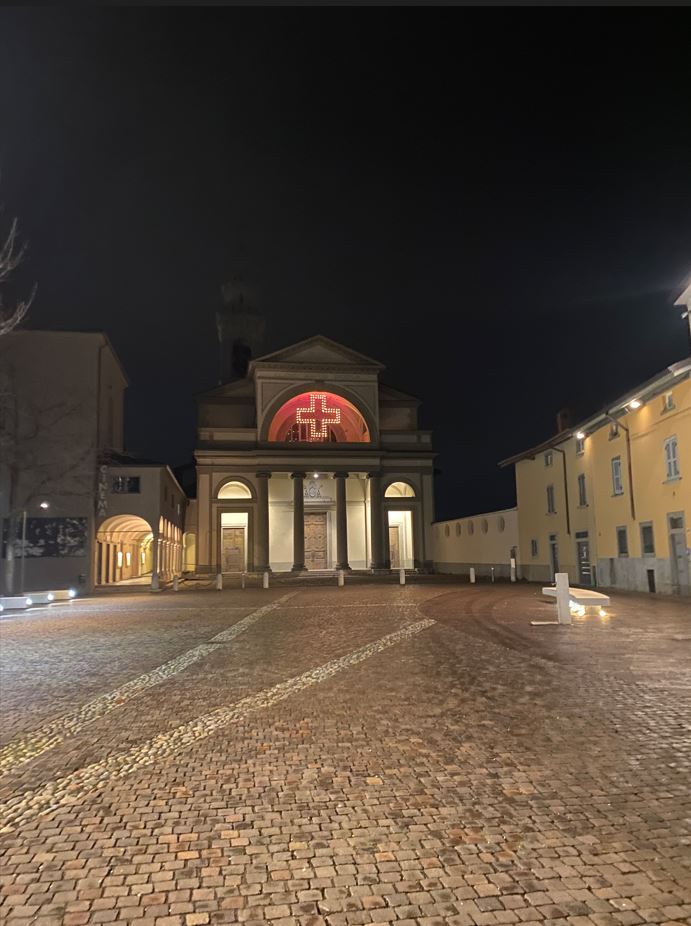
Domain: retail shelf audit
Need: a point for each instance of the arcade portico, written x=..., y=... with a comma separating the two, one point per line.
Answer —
x=310, y=463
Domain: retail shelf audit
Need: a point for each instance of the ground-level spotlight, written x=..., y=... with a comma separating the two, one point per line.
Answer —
x=72, y=593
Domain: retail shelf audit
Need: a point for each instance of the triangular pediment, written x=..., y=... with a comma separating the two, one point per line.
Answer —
x=318, y=351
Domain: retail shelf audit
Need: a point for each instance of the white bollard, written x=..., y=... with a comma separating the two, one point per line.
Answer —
x=265, y=580
x=341, y=578
x=242, y=580
x=401, y=576
x=492, y=568
x=472, y=575
x=175, y=583
x=561, y=580
x=513, y=569
x=219, y=581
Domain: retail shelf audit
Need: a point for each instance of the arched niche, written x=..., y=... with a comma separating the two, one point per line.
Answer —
x=399, y=489
x=317, y=415
x=234, y=490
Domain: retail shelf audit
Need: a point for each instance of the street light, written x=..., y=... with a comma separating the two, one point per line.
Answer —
x=44, y=505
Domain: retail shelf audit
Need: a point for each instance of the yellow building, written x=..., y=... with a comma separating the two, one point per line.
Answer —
x=609, y=501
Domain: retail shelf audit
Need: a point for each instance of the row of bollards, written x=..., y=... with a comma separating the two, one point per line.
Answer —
x=265, y=579
x=491, y=571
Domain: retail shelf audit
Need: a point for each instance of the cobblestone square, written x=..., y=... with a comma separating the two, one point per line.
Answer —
x=315, y=755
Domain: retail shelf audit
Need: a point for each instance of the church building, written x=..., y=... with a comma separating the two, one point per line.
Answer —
x=310, y=463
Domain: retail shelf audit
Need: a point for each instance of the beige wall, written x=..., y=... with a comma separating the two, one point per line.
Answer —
x=65, y=392
x=482, y=541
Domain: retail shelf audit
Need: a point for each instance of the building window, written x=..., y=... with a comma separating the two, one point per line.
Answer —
x=580, y=445
x=667, y=402
x=501, y=524
x=484, y=525
x=446, y=530
x=551, y=507
x=582, y=495
x=471, y=528
x=458, y=529
x=622, y=542
x=125, y=485
x=613, y=430
x=672, y=458
x=549, y=458
x=533, y=547
x=647, y=540
x=617, y=484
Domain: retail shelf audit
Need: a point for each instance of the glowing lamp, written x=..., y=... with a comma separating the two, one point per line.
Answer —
x=316, y=475
x=72, y=593
x=580, y=435
x=635, y=403
x=29, y=601
x=50, y=596
x=602, y=612
x=44, y=505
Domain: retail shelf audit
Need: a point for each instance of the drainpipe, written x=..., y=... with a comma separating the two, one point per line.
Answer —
x=566, y=490
x=629, y=466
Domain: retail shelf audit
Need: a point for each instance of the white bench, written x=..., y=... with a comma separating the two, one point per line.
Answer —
x=15, y=603
x=585, y=597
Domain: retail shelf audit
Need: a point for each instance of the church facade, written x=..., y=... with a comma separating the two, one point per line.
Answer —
x=310, y=463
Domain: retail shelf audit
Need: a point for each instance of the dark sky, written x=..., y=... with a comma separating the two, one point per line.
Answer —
x=494, y=203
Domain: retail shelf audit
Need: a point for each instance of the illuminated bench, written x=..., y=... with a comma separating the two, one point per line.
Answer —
x=15, y=603
x=585, y=597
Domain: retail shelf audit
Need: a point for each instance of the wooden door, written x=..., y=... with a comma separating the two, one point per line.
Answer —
x=315, y=540
x=233, y=559
x=394, y=547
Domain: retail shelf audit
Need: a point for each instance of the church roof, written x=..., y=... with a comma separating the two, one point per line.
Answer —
x=317, y=349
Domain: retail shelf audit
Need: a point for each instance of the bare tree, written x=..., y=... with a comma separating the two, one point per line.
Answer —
x=43, y=452
x=11, y=254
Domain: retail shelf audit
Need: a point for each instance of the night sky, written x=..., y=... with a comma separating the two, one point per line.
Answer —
x=494, y=203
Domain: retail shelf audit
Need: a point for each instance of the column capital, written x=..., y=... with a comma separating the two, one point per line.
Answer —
x=263, y=474
x=340, y=475
x=298, y=475
x=374, y=475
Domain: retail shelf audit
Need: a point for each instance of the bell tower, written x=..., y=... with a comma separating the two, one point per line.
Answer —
x=240, y=326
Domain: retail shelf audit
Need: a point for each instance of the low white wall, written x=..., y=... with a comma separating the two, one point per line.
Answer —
x=482, y=541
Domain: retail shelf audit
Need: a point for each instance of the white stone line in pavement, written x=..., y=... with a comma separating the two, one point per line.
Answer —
x=72, y=789
x=51, y=734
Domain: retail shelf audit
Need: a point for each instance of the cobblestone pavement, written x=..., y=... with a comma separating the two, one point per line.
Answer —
x=418, y=755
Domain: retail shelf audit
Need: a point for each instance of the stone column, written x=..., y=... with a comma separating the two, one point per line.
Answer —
x=262, y=527
x=377, y=521
x=341, y=522
x=298, y=521
x=154, y=561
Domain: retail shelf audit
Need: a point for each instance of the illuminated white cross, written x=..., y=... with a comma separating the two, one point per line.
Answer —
x=318, y=418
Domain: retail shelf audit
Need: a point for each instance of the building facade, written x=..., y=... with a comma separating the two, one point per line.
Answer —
x=485, y=542
x=75, y=511
x=609, y=500
x=310, y=463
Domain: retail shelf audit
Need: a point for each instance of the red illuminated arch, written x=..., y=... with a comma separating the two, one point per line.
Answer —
x=319, y=417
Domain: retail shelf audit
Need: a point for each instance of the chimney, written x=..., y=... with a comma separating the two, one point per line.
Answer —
x=564, y=420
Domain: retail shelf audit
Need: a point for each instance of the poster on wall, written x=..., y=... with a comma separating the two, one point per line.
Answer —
x=50, y=537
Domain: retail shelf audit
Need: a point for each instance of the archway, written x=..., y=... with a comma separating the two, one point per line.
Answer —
x=123, y=550
x=318, y=416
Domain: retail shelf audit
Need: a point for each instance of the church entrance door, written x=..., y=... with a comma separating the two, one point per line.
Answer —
x=394, y=547
x=315, y=540
x=233, y=549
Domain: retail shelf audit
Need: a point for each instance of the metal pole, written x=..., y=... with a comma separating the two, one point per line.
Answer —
x=21, y=575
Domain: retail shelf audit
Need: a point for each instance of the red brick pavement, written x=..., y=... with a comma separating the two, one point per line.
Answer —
x=478, y=772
